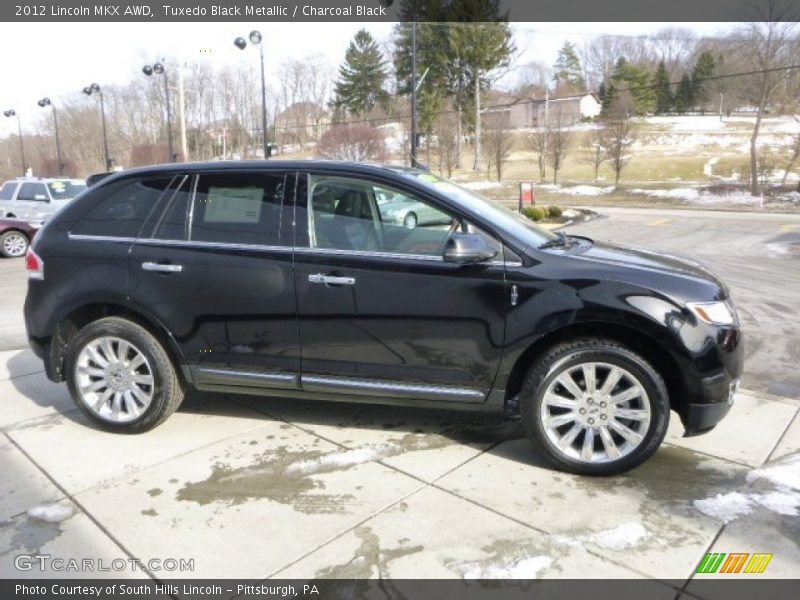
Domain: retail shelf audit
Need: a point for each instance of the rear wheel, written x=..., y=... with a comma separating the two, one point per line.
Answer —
x=13, y=244
x=121, y=377
x=594, y=407
x=410, y=221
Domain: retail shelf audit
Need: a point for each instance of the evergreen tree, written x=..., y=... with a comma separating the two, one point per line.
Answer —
x=663, y=91
x=362, y=76
x=703, y=69
x=568, y=69
x=683, y=97
x=635, y=79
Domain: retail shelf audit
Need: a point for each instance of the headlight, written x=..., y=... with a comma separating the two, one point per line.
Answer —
x=715, y=313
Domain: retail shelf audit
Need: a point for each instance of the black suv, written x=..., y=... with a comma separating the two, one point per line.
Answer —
x=284, y=279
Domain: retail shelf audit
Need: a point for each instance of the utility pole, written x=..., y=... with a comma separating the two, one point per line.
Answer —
x=182, y=111
x=478, y=165
x=414, y=162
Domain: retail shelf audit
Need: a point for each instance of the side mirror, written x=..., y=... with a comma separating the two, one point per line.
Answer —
x=468, y=248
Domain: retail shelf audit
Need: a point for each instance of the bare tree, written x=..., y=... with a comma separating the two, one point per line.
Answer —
x=594, y=150
x=358, y=143
x=619, y=133
x=770, y=45
x=497, y=145
x=538, y=142
x=560, y=141
x=447, y=131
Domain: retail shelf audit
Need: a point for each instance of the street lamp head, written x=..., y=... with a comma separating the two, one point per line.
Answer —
x=44, y=102
x=147, y=70
x=158, y=68
x=94, y=87
x=10, y=113
x=255, y=37
x=87, y=90
x=240, y=43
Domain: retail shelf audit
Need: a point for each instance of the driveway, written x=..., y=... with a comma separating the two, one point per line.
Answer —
x=258, y=488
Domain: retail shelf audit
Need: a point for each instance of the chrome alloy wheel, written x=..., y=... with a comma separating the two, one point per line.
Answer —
x=595, y=412
x=15, y=244
x=114, y=379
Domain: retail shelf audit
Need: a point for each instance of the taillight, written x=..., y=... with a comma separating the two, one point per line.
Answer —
x=34, y=264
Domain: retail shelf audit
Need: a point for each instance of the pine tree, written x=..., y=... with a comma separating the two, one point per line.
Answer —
x=683, y=98
x=663, y=91
x=568, y=68
x=361, y=77
x=635, y=79
x=703, y=69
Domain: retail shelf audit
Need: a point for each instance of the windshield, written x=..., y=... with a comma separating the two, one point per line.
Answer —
x=511, y=221
x=64, y=189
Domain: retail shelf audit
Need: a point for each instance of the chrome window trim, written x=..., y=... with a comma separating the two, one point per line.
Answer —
x=369, y=254
x=263, y=375
x=179, y=243
x=100, y=238
x=371, y=384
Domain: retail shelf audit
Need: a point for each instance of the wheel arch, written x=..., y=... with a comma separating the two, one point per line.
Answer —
x=650, y=348
x=79, y=317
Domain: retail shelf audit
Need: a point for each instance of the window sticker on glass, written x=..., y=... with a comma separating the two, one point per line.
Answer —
x=234, y=205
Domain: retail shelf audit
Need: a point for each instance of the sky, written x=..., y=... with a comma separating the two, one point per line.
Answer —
x=57, y=59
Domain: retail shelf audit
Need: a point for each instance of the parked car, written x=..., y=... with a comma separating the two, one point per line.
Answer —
x=408, y=212
x=279, y=278
x=16, y=236
x=36, y=198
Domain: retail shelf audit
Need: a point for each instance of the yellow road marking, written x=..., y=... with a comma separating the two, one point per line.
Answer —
x=659, y=222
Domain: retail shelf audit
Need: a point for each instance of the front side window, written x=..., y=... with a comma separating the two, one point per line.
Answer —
x=238, y=208
x=33, y=191
x=124, y=209
x=359, y=215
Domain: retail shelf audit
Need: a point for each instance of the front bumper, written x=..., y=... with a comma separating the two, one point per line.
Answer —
x=701, y=418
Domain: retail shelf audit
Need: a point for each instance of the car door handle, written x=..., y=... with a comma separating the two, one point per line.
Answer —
x=161, y=267
x=331, y=279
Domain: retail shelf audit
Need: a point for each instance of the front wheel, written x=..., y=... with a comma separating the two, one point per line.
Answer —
x=121, y=377
x=410, y=221
x=13, y=244
x=594, y=407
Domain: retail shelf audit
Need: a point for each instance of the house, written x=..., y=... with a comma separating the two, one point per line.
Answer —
x=537, y=112
x=301, y=122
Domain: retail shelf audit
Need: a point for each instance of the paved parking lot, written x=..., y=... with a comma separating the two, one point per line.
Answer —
x=253, y=487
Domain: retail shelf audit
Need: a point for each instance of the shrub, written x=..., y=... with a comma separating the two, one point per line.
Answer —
x=555, y=211
x=358, y=143
x=545, y=211
x=534, y=213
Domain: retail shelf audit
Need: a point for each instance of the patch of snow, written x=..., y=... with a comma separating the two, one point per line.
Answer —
x=700, y=197
x=725, y=507
x=785, y=473
x=345, y=458
x=586, y=190
x=708, y=168
x=627, y=535
x=525, y=568
x=783, y=503
x=689, y=194
x=52, y=513
x=481, y=185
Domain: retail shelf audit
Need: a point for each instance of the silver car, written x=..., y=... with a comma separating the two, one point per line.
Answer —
x=402, y=210
x=36, y=198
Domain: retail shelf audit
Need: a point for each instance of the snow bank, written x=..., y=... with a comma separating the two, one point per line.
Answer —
x=700, y=197
x=481, y=185
x=583, y=190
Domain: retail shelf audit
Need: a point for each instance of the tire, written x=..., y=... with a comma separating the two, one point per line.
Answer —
x=410, y=221
x=115, y=404
x=13, y=244
x=550, y=419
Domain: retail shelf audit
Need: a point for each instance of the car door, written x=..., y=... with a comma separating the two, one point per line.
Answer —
x=216, y=272
x=32, y=201
x=380, y=312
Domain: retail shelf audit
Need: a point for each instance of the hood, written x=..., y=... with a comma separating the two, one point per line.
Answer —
x=646, y=260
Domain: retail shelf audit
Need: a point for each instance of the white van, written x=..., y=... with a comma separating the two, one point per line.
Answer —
x=34, y=199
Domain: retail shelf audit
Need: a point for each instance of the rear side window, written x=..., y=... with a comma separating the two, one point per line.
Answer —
x=238, y=208
x=33, y=191
x=7, y=191
x=64, y=189
x=174, y=222
x=124, y=210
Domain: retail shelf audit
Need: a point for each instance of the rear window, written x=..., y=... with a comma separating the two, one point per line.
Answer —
x=7, y=191
x=124, y=210
x=64, y=189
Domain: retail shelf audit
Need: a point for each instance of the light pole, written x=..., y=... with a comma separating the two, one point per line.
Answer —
x=256, y=40
x=158, y=69
x=13, y=113
x=45, y=102
x=95, y=89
